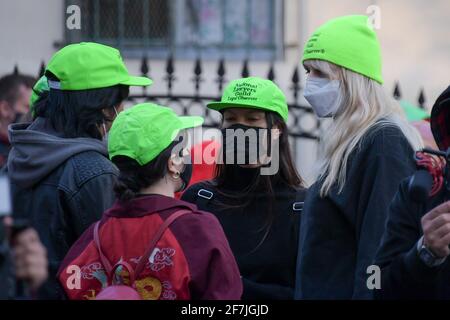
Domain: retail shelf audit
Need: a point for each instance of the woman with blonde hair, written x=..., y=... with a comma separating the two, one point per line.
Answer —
x=366, y=151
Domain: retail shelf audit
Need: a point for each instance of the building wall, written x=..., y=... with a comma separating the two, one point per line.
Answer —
x=28, y=29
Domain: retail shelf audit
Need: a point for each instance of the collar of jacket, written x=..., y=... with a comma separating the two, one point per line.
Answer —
x=147, y=204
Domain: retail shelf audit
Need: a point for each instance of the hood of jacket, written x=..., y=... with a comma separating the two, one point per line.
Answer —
x=37, y=150
x=440, y=120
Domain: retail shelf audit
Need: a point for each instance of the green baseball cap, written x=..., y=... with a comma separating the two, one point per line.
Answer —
x=143, y=131
x=413, y=113
x=348, y=42
x=90, y=65
x=253, y=92
x=40, y=86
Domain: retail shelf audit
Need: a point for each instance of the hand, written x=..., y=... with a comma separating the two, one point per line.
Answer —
x=30, y=258
x=436, y=230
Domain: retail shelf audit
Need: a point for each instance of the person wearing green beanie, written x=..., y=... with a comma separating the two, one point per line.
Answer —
x=259, y=210
x=144, y=143
x=59, y=169
x=365, y=151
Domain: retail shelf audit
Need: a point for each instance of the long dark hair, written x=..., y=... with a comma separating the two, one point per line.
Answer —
x=287, y=175
x=78, y=113
x=133, y=177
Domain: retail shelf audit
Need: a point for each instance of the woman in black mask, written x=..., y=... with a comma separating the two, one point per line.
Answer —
x=257, y=193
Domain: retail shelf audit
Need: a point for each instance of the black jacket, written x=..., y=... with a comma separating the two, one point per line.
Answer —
x=7, y=285
x=61, y=186
x=403, y=274
x=340, y=232
x=267, y=268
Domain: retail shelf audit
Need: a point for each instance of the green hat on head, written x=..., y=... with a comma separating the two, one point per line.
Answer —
x=348, y=42
x=253, y=92
x=89, y=65
x=142, y=132
x=40, y=87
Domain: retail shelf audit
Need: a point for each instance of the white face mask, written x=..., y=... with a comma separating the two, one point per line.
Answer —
x=323, y=95
x=105, y=133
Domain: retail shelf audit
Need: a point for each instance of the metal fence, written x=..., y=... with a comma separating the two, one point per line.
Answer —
x=299, y=128
x=302, y=122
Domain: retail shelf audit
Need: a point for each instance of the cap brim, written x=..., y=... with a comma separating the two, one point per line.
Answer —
x=225, y=105
x=187, y=123
x=137, y=81
x=190, y=122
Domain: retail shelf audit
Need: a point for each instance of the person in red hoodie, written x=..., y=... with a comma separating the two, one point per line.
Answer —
x=192, y=260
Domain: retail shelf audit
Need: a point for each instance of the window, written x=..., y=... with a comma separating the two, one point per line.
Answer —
x=230, y=29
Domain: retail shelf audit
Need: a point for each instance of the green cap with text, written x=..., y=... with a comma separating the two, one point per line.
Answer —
x=253, y=92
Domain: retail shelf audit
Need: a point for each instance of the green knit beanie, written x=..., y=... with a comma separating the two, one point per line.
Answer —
x=348, y=42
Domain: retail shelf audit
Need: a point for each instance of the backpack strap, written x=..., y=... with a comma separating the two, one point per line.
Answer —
x=203, y=197
x=156, y=238
x=103, y=258
x=297, y=206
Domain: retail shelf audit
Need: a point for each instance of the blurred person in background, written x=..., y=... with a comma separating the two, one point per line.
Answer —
x=15, y=92
x=23, y=262
x=419, y=119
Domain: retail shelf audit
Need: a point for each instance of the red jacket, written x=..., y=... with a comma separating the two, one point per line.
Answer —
x=202, y=168
x=191, y=261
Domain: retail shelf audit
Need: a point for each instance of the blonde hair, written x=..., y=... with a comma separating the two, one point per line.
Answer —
x=363, y=104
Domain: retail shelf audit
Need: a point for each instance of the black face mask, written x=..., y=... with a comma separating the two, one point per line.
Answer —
x=186, y=176
x=243, y=145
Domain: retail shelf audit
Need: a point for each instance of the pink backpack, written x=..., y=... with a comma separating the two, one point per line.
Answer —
x=122, y=291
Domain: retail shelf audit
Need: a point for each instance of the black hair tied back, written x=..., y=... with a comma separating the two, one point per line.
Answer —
x=133, y=177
